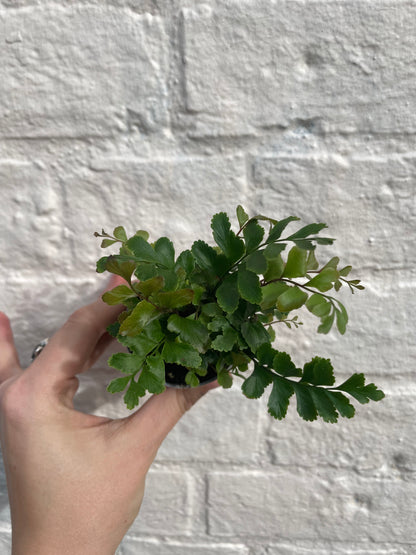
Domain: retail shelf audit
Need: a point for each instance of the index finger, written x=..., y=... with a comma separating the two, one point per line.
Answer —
x=71, y=346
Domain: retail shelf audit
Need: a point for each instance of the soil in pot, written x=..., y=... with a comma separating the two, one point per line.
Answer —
x=175, y=375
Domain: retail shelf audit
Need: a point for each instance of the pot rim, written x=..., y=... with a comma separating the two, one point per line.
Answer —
x=186, y=386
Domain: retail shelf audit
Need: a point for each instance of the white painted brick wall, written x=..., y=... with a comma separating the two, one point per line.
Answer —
x=155, y=115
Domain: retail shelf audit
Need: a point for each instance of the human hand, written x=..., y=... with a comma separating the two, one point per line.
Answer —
x=75, y=481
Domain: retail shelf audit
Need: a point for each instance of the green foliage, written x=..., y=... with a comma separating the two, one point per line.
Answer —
x=125, y=362
x=306, y=231
x=275, y=267
x=254, y=334
x=118, y=384
x=142, y=251
x=318, y=371
x=131, y=397
x=191, y=331
x=120, y=234
x=318, y=305
x=253, y=234
x=148, y=287
x=227, y=294
x=181, y=353
x=135, y=322
x=292, y=298
x=242, y=216
x=186, y=261
x=273, y=250
x=229, y=243
x=152, y=377
x=146, y=341
x=226, y=340
x=173, y=299
x=218, y=308
x=225, y=379
x=253, y=387
x=304, y=403
x=296, y=263
x=279, y=397
x=118, y=295
x=114, y=265
x=113, y=329
x=107, y=243
x=191, y=379
x=207, y=258
x=145, y=272
x=256, y=262
x=165, y=252
x=248, y=284
x=278, y=229
x=284, y=366
x=271, y=292
x=324, y=280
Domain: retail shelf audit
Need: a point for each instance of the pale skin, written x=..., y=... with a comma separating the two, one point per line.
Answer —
x=75, y=480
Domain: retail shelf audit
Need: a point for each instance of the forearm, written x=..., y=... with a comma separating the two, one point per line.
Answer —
x=31, y=545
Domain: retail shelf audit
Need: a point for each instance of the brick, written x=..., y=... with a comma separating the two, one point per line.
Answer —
x=31, y=221
x=323, y=504
x=343, y=64
x=5, y=543
x=223, y=427
x=31, y=304
x=336, y=549
x=132, y=547
x=81, y=71
x=377, y=442
x=170, y=196
x=379, y=337
x=137, y=6
x=369, y=206
x=368, y=203
x=167, y=504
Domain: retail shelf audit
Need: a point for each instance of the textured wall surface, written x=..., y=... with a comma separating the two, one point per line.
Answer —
x=155, y=114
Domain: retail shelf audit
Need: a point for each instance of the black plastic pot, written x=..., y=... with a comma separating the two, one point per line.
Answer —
x=175, y=375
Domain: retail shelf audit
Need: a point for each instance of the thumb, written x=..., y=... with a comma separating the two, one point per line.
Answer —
x=114, y=281
x=159, y=415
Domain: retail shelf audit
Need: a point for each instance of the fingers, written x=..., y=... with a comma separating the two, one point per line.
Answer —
x=9, y=360
x=75, y=345
x=159, y=415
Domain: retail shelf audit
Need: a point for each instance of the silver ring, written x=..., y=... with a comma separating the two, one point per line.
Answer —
x=39, y=348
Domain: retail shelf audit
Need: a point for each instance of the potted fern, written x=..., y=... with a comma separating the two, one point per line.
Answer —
x=210, y=313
